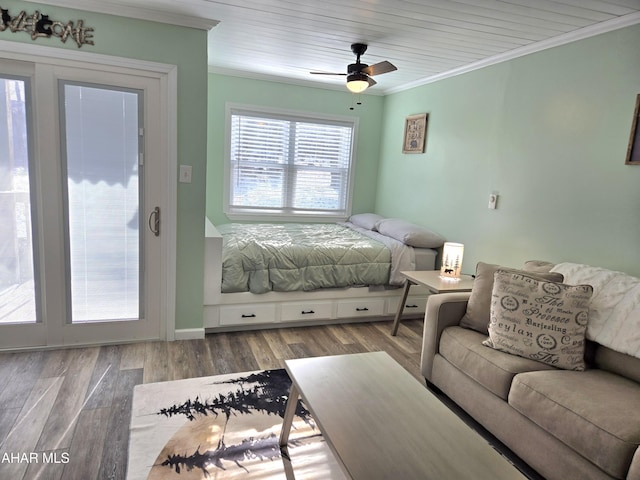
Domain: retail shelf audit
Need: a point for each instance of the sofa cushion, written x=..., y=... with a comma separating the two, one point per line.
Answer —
x=478, y=311
x=616, y=362
x=492, y=369
x=596, y=413
x=540, y=320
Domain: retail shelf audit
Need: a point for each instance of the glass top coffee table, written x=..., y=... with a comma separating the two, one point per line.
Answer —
x=381, y=423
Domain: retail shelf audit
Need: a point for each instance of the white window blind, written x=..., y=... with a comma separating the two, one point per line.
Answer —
x=282, y=164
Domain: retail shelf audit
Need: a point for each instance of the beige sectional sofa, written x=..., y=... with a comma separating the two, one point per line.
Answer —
x=565, y=424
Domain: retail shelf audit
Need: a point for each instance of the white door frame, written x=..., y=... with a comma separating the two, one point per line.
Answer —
x=167, y=76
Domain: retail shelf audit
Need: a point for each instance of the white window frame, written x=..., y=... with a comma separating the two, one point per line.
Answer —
x=236, y=213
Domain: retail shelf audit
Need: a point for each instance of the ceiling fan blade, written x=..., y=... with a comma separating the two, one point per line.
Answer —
x=371, y=81
x=326, y=73
x=380, y=68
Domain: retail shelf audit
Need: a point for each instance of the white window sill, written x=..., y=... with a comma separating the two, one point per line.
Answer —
x=284, y=217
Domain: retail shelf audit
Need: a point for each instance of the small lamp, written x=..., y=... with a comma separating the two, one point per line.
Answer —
x=452, y=260
x=357, y=82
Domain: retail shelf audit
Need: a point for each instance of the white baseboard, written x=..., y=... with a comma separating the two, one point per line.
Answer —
x=189, y=334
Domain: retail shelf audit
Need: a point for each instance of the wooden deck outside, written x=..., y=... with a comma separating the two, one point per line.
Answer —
x=17, y=304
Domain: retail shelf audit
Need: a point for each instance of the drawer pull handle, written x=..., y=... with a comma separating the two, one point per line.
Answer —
x=363, y=309
x=252, y=315
x=307, y=312
x=411, y=306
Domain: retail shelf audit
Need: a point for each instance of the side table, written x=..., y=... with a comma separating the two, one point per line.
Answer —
x=434, y=283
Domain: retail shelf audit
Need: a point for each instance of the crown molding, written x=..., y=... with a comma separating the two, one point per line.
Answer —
x=580, y=34
x=163, y=14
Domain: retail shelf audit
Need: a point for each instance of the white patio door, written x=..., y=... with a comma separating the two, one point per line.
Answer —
x=84, y=198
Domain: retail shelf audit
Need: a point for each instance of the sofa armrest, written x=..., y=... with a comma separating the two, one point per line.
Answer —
x=443, y=310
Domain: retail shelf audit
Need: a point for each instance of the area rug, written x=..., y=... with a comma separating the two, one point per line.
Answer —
x=223, y=427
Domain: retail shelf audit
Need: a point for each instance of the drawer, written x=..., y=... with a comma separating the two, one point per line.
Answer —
x=366, y=307
x=247, y=314
x=306, y=311
x=414, y=304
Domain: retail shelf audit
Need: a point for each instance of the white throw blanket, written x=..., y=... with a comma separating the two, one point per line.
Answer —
x=614, y=311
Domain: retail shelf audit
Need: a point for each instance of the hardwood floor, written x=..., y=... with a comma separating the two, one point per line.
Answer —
x=71, y=408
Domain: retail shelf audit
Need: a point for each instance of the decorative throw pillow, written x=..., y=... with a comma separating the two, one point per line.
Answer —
x=479, y=306
x=366, y=220
x=540, y=320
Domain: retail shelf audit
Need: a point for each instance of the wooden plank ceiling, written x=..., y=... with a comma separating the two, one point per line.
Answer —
x=423, y=38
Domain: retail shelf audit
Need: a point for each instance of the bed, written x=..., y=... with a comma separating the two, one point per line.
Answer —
x=266, y=274
x=259, y=258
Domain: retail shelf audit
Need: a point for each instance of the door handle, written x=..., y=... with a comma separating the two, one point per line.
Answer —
x=154, y=221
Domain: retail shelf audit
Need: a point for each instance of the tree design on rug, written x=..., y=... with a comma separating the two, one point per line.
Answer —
x=264, y=392
x=269, y=395
x=250, y=448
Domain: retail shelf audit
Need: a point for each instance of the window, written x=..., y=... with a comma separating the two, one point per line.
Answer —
x=288, y=165
x=18, y=270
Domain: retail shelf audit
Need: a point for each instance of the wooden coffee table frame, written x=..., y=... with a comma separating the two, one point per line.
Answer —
x=381, y=423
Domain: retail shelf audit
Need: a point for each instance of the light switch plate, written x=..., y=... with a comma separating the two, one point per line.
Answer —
x=185, y=173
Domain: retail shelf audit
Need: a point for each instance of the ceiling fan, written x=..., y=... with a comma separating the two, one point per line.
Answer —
x=359, y=74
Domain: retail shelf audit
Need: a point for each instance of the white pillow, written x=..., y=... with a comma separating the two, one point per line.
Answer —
x=409, y=233
x=366, y=220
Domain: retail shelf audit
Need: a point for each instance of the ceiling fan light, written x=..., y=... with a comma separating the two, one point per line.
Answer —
x=357, y=82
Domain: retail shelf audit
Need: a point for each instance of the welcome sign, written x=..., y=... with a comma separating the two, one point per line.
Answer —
x=39, y=25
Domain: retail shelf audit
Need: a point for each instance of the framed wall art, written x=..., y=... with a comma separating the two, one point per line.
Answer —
x=633, y=151
x=415, y=133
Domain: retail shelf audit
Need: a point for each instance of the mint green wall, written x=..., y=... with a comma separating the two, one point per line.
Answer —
x=223, y=88
x=549, y=132
x=186, y=48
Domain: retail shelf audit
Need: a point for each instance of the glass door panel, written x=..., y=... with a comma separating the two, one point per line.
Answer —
x=103, y=199
x=18, y=287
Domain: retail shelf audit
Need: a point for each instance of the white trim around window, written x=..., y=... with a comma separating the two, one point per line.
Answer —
x=272, y=155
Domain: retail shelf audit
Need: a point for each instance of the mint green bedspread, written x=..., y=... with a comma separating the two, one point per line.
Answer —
x=289, y=257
